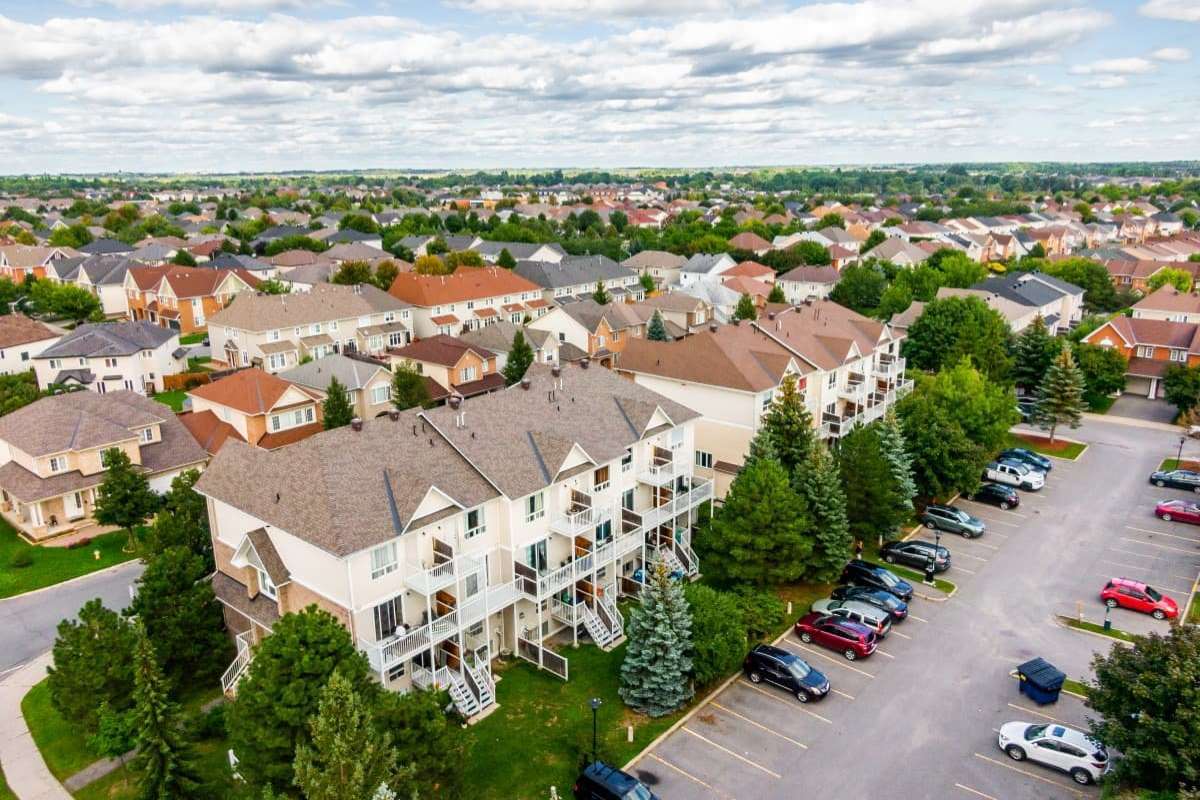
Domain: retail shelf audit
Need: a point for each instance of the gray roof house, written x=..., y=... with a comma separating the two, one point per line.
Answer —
x=498, y=338
x=578, y=275
x=521, y=251
x=99, y=247
x=109, y=339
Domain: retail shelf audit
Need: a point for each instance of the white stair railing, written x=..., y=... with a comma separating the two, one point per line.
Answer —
x=234, y=672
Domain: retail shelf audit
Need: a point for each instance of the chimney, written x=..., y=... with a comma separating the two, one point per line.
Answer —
x=525, y=384
x=356, y=424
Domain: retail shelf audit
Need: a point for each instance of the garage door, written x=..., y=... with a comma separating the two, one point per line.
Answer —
x=1138, y=386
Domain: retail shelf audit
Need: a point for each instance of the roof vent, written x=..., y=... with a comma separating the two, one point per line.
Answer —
x=771, y=315
x=455, y=401
x=556, y=370
x=585, y=364
x=356, y=424
x=394, y=414
x=525, y=384
x=713, y=326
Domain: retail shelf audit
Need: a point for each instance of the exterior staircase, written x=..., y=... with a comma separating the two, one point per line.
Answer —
x=485, y=686
x=668, y=557
x=235, y=671
x=601, y=625
x=464, y=699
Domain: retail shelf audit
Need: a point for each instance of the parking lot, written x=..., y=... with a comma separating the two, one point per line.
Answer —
x=919, y=717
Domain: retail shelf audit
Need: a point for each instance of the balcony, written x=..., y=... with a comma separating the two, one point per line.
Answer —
x=839, y=425
x=630, y=539
x=432, y=580
x=659, y=472
x=582, y=516
x=682, y=502
x=889, y=367
x=856, y=389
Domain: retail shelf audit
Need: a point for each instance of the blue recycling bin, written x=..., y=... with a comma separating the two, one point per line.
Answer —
x=1040, y=681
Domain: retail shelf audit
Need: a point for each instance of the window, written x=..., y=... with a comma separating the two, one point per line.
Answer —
x=55, y=363
x=704, y=459
x=381, y=394
x=58, y=463
x=599, y=341
x=110, y=363
x=600, y=479
x=1179, y=355
x=627, y=460
x=397, y=672
x=467, y=375
x=1145, y=351
x=364, y=321
x=273, y=336
x=383, y=560
x=396, y=339
x=475, y=523
x=266, y=585
x=314, y=328
x=766, y=401
x=832, y=380
x=387, y=618
x=389, y=316
x=535, y=507
x=676, y=438
x=562, y=337
x=627, y=499
x=333, y=325
x=147, y=435
x=277, y=361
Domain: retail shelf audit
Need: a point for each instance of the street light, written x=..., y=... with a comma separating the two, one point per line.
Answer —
x=595, y=708
x=1179, y=457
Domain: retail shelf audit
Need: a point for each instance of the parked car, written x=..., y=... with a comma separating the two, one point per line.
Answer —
x=952, y=520
x=1057, y=746
x=864, y=573
x=786, y=670
x=916, y=553
x=877, y=619
x=879, y=598
x=1138, y=596
x=1177, y=479
x=1179, y=511
x=1014, y=473
x=600, y=781
x=850, y=639
x=1025, y=407
x=1026, y=456
x=997, y=494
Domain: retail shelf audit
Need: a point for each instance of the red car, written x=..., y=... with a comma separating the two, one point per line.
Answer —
x=1137, y=596
x=1179, y=511
x=851, y=639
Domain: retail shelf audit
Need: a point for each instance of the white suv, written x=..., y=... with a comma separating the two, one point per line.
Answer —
x=1057, y=746
x=873, y=617
x=1015, y=474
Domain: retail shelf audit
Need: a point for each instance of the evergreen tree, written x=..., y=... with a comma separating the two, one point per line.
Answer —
x=1060, y=398
x=745, y=308
x=654, y=674
x=125, y=498
x=93, y=665
x=163, y=760
x=601, y=295
x=505, y=259
x=656, y=331
x=776, y=295
x=1033, y=352
x=789, y=425
x=427, y=739
x=183, y=520
x=874, y=505
x=337, y=408
x=759, y=536
x=520, y=356
x=409, y=389
x=349, y=758
x=821, y=488
x=895, y=452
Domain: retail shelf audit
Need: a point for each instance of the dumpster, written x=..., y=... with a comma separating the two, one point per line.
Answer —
x=1040, y=681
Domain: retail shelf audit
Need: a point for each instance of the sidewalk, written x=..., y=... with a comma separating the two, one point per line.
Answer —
x=24, y=769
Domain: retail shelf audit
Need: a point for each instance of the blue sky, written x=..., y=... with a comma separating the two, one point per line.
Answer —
x=219, y=85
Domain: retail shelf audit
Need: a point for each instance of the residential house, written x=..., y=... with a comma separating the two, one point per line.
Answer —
x=454, y=365
x=21, y=340
x=276, y=332
x=599, y=331
x=52, y=459
x=19, y=262
x=899, y=251
x=352, y=236
x=304, y=278
x=444, y=538
x=578, y=276
x=521, y=251
x=468, y=299
x=1150, y=345
x=182, y=298
x=663, y=267
x=112, y=356
x=805, y=283
x=106, y=247
x=830, y=237
x=681, y=312
x=1060, y=304
x=498, y=338
x=705, y=266
x=102, y=275
x=1170, y=304
x=265, y=410
x=368, y=383
x=750, y=242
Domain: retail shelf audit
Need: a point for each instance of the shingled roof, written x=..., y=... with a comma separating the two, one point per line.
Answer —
x=734, y=356
x=110, y=339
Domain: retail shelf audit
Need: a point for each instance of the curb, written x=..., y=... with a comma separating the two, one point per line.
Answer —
x=1040, y=435
x=1058, y=619
x=69, y=581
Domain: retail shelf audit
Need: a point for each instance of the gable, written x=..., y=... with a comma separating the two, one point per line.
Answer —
x=658, y=418
x=435, y=500
x=575, y=458
x=1107, y=331
x=292, y=396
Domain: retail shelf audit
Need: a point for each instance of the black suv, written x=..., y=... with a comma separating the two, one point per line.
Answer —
x=864, y=573
x=916, y=553
x=876, y=597
x=787, y=670
x=600, y=781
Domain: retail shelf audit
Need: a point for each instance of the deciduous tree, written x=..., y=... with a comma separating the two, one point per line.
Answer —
x=1103, y=370
x=745, y=308
x=859, y=288
x=953, y=327
x=409, y=389
x=1178, y=278
x=124, y=499
x=1181, y=386
x=718, y=633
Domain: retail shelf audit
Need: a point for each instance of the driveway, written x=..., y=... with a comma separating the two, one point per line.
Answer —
x=919, y=718
x=1137, y=407
x=29, y=623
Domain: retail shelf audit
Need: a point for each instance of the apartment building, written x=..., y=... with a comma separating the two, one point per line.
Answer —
x=276, y=332
x=444, y=538
x=467, y=300
x=52, y=462
x=182, y=298
x=858, y=372
x=22, y=339
x=112, y=356
x=1150, y=345
x=367, y=383
x=264, y=409
x=728, y=373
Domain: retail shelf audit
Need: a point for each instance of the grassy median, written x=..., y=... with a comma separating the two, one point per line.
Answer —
x=1093, y=627
x=25, y=567
x=1041, y=444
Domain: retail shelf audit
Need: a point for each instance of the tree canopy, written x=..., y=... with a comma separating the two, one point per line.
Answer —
x=952, y=328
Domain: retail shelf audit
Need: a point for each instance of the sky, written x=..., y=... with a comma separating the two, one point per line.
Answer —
x=265, y=85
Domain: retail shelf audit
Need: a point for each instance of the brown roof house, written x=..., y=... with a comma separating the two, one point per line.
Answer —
x=52, y=462
x=21, y=340
x=263, y=409
x=454, y=365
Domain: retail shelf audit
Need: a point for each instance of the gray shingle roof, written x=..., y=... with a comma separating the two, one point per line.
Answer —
x=109, y=339
x=106, y=247
x=572, y=271
x=326, y=301
x=350, y=372
x=521, y=251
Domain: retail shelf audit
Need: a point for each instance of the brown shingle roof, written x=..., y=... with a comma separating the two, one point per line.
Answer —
x=1168, y=298
x=18, y=329
x=79, y=421
x=735, y=356
x=250, y=391
x=1178, y=335
x=273, y=441
x=440, y=349
x=259, y=312
x=210, y=431
x=822, y=333
x=467, y=283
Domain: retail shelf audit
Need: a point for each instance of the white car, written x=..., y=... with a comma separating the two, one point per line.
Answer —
x=1015, y=474
x=1057, y=746
x=873, y=617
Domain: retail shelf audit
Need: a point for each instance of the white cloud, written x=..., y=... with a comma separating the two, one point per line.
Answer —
x=1115, y=66
x=1172, y=54
x=598, y=9
x=1181, y=10
x=210, y=6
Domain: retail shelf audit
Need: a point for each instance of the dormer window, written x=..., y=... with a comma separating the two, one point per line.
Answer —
x=146, y=435
x=57, y=463
x=266, y=585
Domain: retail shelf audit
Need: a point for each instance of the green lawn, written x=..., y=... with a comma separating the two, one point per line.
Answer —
x=212, y=767
x=199, y=364
x=919, y=577
x=5, y=792
x=1041, y=444
x=53, y=565
x=1100, y=405
x=1078, y=687
x=62, y=744
x=173, y=398
x=193, y=338
x=1194, y=613
x=1095, y=627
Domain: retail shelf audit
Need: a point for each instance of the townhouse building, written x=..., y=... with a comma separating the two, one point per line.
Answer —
x=1022, y=297
x=18, y=262
x=182, y=298
x=1170, y=304
x=578, y=276
x=661, y=266
x=468, y=299
x=681, y=312
x=264, y=409
x=52, y=455
x=498, y=339
x=807, y=283
x=276, y=332
x=102, y=275
x=1150, y=345
x=21, y=340
x=367, y=383
x=455, y=366
x=594, y=330
x=112, y=356
x=444, y=538
x=521, y=251
x=705, y=267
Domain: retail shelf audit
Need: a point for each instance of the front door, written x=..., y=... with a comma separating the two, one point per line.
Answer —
x=75, y=505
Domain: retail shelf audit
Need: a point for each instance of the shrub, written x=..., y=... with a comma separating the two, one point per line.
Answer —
x=21, y=559
x=115, y=734
x=762, y=613
x=718, y=637
x=210, y=724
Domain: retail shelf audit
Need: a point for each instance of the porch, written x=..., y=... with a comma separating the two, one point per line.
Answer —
x=53, y=519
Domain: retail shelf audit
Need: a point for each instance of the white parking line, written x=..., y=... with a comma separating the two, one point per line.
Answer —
x=1039, y=713
x=988, y=546
x=1164, y=533
x=1029, y=774
x=687, y=774
x=1191, y=550
x=994, y=510
x=895, y=632
x=738, y=756
x=881, y=653
x=975, y=792
x=963, y=569
x=1130, y=553
x=772, y=697
x=918, y=619
x=843, y=694
x=841, y=662
x=758, y=725
x=1005, y=522
x=961, y=554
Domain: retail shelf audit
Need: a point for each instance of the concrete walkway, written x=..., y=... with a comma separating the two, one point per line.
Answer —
x=26, y=772
x=1134, y=422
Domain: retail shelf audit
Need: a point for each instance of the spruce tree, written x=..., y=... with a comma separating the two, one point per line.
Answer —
x=745, y=308
x=1033, y=352
x=789, y=425
x=505, y=259
x=601, y=295
x=654, y=674
x=163, y=761
x=520, y=356
x=337, y=409
x=821, y=488
x=1060, y=398
x=874, y=504
x=895, y=452
x=656, y=331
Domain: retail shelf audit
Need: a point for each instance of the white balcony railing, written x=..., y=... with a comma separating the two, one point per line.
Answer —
x=582, y=521
x=245, y=652
x=432, y=580
x=889, y=367
x=658, y=473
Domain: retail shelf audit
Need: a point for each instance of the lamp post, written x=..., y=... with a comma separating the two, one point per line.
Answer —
x=595, y=708
x=1179, y=456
